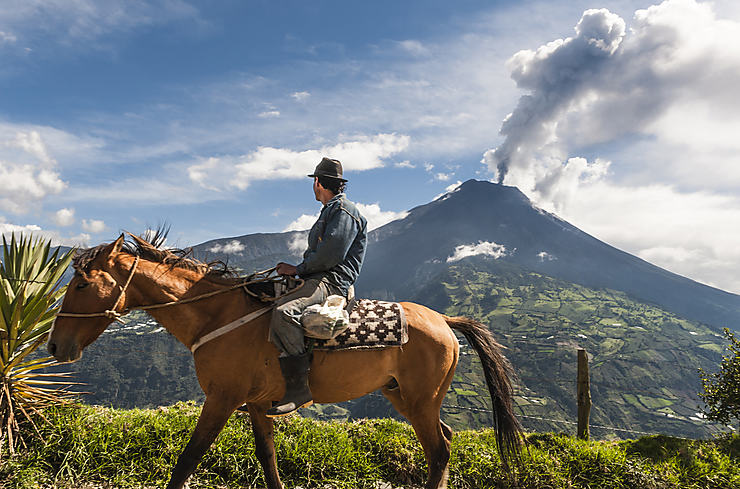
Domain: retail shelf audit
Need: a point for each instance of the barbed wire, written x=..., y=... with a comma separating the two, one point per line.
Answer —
x=447, y=406
x=488, y=411
x=613, y=428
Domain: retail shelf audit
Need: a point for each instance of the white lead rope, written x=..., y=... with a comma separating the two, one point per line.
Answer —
x=229, y=327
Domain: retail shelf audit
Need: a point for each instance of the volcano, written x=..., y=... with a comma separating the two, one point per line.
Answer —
x=501, y=223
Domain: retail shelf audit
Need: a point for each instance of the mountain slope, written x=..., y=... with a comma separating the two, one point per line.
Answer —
x=405, y=251
x=643, y=359
x=554, y=289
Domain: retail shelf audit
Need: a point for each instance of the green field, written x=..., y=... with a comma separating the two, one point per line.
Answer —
x=643, y=360
x=92, y=446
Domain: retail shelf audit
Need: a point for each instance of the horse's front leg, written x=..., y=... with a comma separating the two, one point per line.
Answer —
x=264, y=443
x=212, y=419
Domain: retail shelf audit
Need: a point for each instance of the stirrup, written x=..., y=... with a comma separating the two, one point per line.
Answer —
x=286, y=409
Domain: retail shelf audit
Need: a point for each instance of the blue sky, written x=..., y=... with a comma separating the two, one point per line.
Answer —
x=622, y=119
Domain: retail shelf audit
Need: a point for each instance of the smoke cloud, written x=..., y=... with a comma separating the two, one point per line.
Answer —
x=558, y=75
x=608, y=83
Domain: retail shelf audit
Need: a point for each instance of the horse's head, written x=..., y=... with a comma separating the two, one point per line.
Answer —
x=94, y=288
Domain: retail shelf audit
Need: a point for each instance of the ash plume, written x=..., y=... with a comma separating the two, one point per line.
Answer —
x=557, y=76
x=607, y=83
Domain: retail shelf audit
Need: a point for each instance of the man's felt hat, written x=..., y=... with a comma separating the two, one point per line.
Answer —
x=329, y=168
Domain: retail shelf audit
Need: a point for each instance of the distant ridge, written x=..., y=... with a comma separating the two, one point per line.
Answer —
x=485, y=252
x=484, y=211
x=404, y=253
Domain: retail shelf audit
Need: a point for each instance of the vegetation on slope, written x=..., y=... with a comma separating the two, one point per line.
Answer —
x=643, y=360
x=136, y=448
x=722, y=389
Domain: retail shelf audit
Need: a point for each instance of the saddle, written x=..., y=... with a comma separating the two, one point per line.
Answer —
x=267, y=288
x=372, y=323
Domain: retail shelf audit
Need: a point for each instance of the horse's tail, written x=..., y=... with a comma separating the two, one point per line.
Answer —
x=498, y=372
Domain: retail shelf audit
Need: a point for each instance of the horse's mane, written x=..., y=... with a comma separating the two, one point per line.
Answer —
x=150, y=246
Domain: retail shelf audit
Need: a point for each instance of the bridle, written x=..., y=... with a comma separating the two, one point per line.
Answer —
x=263, y=276
x=109, y=313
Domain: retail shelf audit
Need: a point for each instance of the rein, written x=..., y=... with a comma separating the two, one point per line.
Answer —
x=263, y=276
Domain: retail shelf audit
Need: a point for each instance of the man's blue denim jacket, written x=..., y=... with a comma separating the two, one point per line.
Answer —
x=336, y=245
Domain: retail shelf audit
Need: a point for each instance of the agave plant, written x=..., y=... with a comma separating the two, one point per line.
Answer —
x=30, y=292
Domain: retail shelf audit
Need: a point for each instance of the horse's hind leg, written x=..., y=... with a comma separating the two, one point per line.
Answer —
x=264, y=443
x=434, y=435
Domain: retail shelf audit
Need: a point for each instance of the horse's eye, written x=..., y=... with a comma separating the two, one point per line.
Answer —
x=82, y=285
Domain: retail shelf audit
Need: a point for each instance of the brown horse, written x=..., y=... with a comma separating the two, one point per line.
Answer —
x=241, y=367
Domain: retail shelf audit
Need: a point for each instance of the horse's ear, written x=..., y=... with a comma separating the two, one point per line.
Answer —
x=141, y=242
x=115, y=246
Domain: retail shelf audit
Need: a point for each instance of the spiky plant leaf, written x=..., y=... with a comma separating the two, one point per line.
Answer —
x=30, y=293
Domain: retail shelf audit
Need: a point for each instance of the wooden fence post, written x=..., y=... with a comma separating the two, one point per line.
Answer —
x=584, y=395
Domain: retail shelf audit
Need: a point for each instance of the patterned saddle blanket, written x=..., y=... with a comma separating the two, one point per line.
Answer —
x=372, y=324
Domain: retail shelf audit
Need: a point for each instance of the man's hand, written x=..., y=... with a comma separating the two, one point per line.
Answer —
x=286, y=269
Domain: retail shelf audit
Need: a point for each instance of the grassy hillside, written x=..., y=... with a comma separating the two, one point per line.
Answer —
x=137, y=448
x=136, y=365
x=643, y=360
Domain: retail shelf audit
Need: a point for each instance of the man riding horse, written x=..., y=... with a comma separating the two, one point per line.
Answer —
x=330, y=266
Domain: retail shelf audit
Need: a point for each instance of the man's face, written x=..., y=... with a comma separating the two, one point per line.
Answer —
x=316, y=188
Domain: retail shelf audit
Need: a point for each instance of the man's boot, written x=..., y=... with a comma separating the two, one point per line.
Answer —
x=297, y=394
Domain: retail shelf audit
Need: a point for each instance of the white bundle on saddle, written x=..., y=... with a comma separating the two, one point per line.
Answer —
x=328, y=320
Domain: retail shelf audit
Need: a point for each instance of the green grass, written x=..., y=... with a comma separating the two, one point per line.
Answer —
x=636, y=351
x=137, y=448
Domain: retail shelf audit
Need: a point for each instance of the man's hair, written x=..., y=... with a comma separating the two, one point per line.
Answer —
x=333, y=185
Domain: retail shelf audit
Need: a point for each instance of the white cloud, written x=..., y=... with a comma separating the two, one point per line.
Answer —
x=405, y=164
x=166, y=189
x=31, y=143
x=449, y=189
x=35, y=144
x=7, y=37
x=266, y=163
x=81, y=240
x=298, y=243
x=27, y=171
x=7, y=229
x=302, y=223
x=561, y=183
x=371, y=212
x=64, y=217
x=486, y=248
x=269, y=114
x=233, y=247
x=545, y=256
x=414, y=47
x=86, y=19
x=668, y=84
x=442, y=177
x=376, y=217
x=93, y=225
x=655, y=101
x=694, y=234
x=453, y=187
x=300, y=96
x=447, y=102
